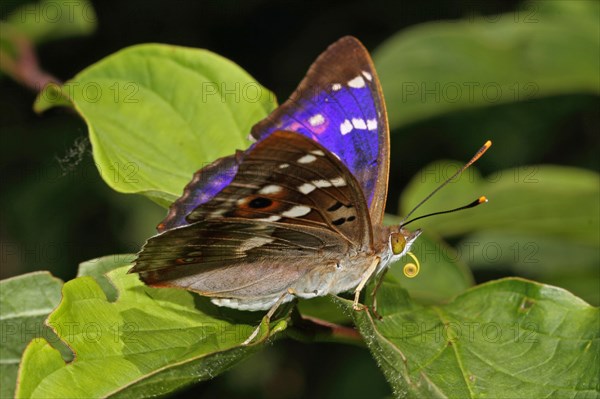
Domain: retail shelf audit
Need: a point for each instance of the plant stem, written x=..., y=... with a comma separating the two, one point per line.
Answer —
x=23, y=65
x=311, y=329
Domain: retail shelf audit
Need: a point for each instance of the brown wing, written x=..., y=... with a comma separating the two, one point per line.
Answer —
x=289, y=178
x=291, y=207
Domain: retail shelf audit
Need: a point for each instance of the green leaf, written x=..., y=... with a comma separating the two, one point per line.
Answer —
x=158, y=113
x=147, y=342
x=99, y=267
x=442, y=67
x=504, y=339
x=47, y=359
x=551, y=260
x=323, y=308
x=54, y=19
x=25, y=301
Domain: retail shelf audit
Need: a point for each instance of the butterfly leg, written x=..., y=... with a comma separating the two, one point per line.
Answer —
x=361, y=285
x=270, y=313
x=374, y=294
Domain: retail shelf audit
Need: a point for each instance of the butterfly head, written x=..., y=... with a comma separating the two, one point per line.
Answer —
x=401, y=241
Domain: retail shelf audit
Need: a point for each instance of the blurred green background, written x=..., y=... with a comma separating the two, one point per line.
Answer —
x=55, y=211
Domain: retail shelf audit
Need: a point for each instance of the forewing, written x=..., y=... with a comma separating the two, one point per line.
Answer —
x=289, y=178
x=340, y=105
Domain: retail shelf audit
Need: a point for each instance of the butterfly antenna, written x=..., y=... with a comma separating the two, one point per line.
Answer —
x=478, y=201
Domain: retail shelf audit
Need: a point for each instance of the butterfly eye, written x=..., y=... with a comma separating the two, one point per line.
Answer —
x=398, y=243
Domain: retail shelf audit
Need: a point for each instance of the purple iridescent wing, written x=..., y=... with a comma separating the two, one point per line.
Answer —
x=340, y=105
x=206, y=183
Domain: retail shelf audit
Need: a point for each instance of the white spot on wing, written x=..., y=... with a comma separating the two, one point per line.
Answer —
x=308, y=158
x=357, y=82
x=217, y=213
x=272, y=218
x=336, y=87
x=297, y=211
x=367, y=75
x=316, y=120
x=372, y=124
x=338, y=182
x=284, y=165
x=321, y=183
x=346, y=127
x=253, y=243
x=229, y=303
x=359, y=123
x=306, y=188
x=270, y=189
x=264, y=303
x=335, y=182
x=318, y=152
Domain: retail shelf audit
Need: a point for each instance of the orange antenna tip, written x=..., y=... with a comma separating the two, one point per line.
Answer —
x=483, y=199
x=479, y=153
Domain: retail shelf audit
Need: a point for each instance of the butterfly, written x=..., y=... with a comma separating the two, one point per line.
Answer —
x=300, y=213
